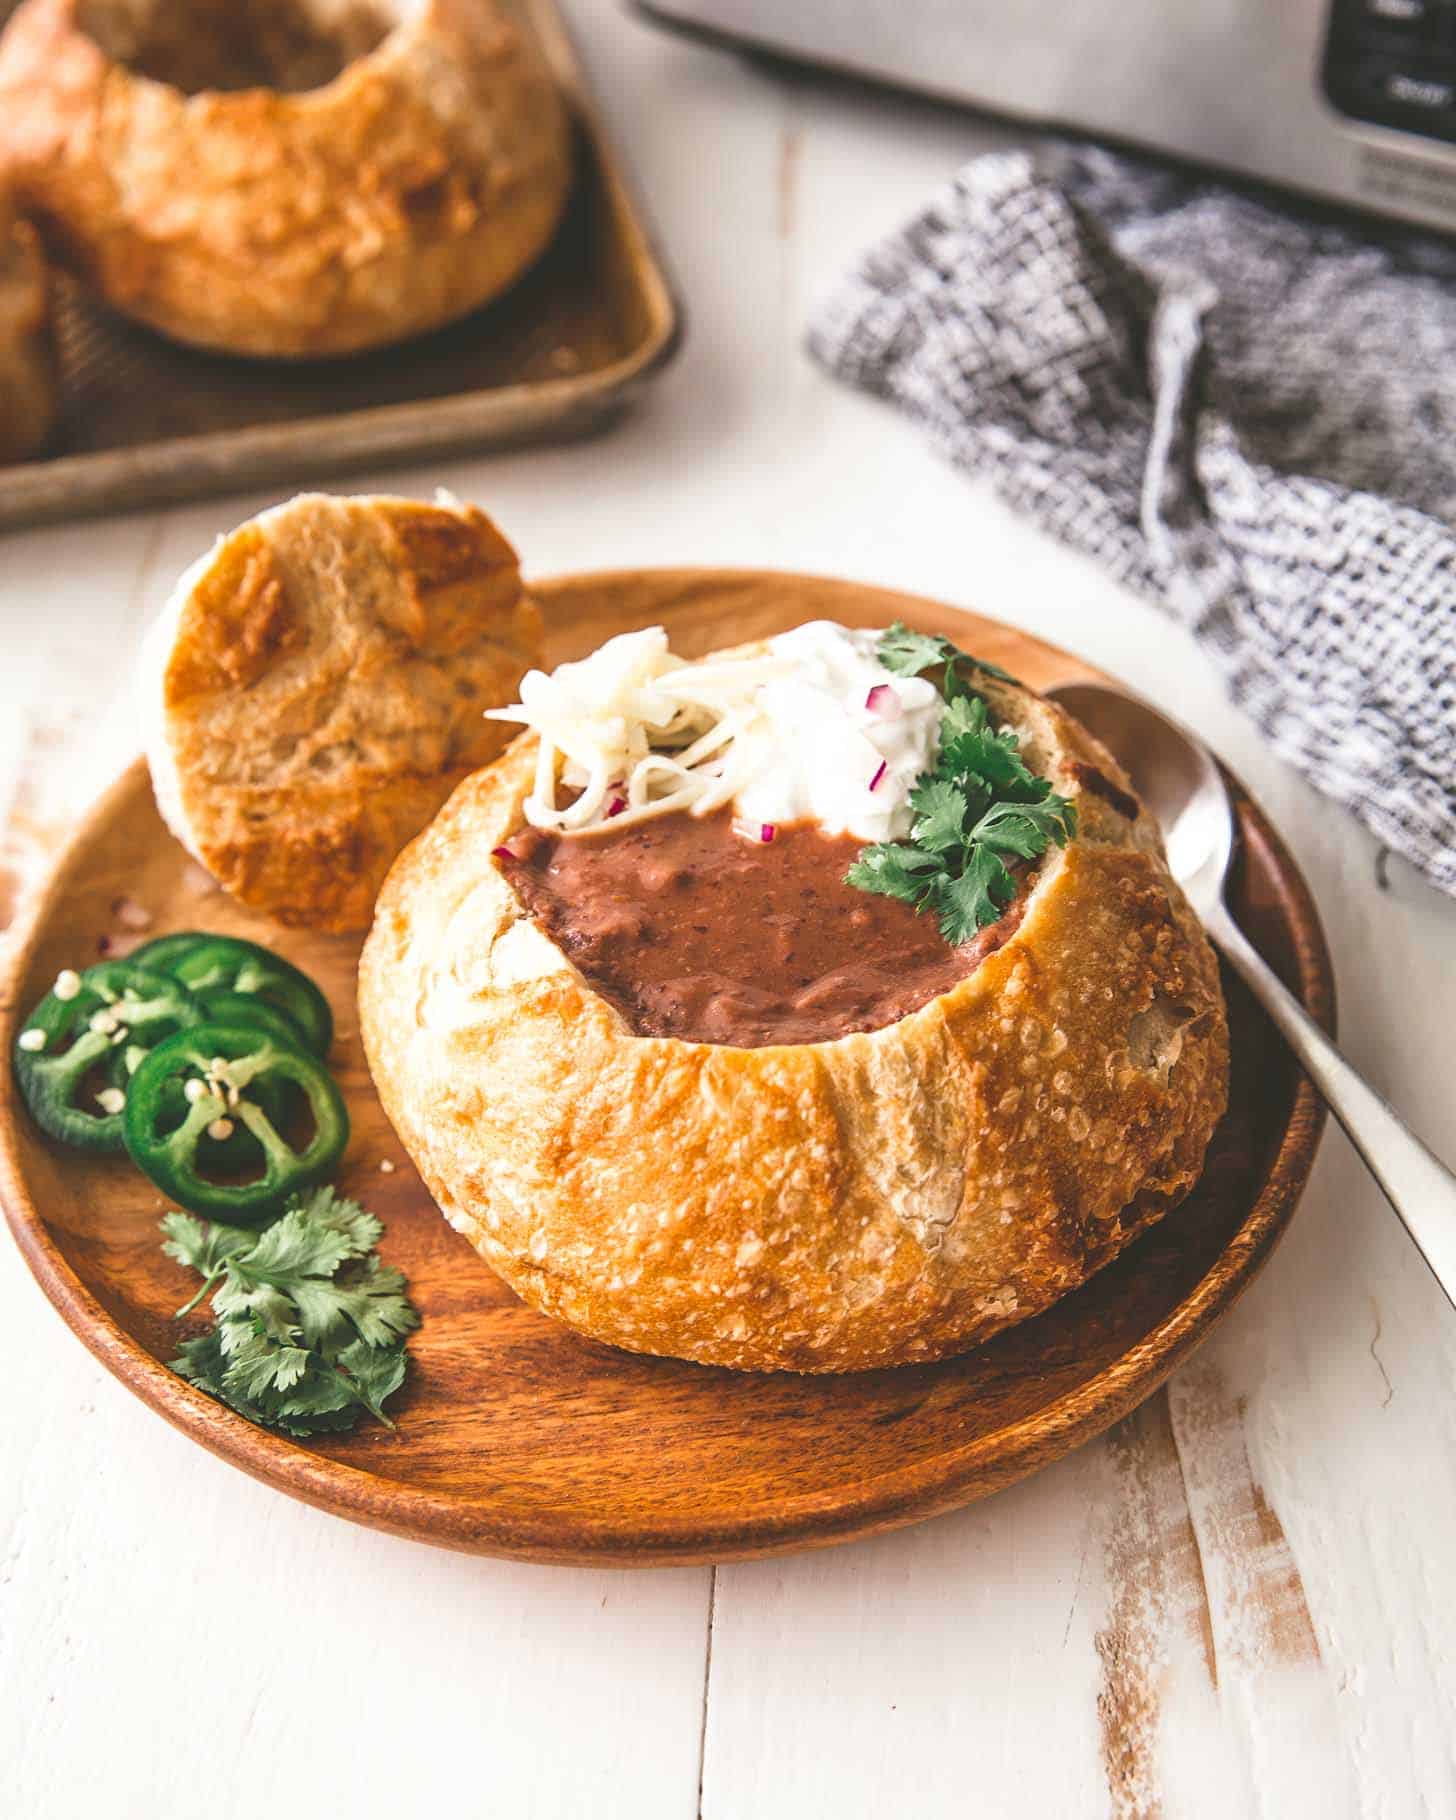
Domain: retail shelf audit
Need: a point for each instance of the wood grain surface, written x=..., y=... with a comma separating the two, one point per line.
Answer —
x=517, y=1437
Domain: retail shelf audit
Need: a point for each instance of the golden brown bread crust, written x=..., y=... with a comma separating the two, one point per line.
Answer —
x=318, y=683
x=27, y=367
x=890, y=1197
x=414, y=187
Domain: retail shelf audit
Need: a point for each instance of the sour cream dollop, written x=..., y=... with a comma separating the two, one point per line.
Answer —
x=813, y=729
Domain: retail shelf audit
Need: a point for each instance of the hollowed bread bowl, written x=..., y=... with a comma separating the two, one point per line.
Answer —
x=284, y=177
x=892, y=1196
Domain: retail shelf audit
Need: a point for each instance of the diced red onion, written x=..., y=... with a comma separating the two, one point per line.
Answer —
x=883, y=700
x=767, y=832
x=501, y=853
x=616, y=806
x=875, y=780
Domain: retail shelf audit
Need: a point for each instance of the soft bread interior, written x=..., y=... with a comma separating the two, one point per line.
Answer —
x=201, y=45
x=151, y=708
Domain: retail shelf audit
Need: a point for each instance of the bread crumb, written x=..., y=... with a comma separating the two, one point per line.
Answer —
x=117, y=947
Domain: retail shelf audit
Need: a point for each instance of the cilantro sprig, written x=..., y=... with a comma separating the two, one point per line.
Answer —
x=978, y=807
x=905, y=652
x=310, y=1324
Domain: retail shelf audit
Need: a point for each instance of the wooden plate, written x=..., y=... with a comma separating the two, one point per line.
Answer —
x=518, y=1438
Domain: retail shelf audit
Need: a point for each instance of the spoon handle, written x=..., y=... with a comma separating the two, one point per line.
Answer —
x=1418, y=1185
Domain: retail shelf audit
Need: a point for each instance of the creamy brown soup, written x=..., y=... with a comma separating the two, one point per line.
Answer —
x=693, y=931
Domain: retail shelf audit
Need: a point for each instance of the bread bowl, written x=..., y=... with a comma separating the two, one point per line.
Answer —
x=27, y=369
x=898, y=1188
x=314, y=687
x=396, y=164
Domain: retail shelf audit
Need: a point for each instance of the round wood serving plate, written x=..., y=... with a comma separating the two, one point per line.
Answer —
x=516, y=1437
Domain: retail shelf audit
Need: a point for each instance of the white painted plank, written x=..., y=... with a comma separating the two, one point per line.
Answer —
x=176, y=1639
x=907, y=1675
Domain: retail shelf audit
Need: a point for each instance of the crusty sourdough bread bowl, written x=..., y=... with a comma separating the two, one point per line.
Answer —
x=889, y=1197
x=400, y=163
x=315, y=689
x=27, y=368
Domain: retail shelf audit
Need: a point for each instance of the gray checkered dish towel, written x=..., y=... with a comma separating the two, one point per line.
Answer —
x=1246, y=413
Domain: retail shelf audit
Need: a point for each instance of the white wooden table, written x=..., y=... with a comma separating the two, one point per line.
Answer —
x=1241, y=1602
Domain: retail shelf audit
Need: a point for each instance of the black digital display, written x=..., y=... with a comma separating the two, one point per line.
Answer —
x=1393, y=63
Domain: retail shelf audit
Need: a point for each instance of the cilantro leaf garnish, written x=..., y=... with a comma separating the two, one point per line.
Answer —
x=893, y=869
x=375, y=1372
x=259, y=1364
x=940, y=815
x=294, y=1246
x=309, y=1322
x=906, y=652
x=203, y=1248
x=975, y=897
x=974, y=750
x=1026, y=829
x=979, y=803
x=371, y=1304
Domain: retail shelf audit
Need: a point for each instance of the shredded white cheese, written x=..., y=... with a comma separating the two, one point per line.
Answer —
x=814, y=729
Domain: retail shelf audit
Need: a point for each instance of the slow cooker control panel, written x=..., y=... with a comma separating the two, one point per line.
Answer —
x=1393, y=63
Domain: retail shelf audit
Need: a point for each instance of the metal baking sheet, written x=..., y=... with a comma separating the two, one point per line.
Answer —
x=146, y=423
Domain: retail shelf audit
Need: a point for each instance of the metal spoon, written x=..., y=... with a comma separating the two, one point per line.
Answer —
x=1176, y=776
